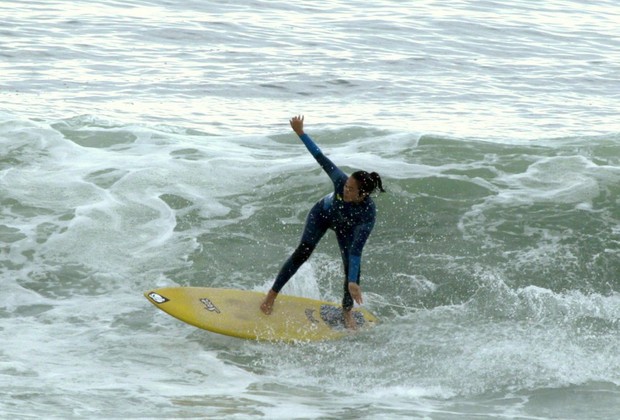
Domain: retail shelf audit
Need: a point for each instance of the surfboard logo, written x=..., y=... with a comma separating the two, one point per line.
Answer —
x=209, y=305
x=157, y=298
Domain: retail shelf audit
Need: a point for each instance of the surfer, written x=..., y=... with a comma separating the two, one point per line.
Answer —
x=349, y=211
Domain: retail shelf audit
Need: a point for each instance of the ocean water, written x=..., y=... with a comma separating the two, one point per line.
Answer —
x=146, y=144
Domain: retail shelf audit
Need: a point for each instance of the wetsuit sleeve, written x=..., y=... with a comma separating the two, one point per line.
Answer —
x=362, y=232
x=334, y=173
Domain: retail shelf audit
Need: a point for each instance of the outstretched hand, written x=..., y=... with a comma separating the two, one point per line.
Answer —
x=297, y=124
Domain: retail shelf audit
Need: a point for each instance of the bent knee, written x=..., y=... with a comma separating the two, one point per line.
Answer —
x=302, y=253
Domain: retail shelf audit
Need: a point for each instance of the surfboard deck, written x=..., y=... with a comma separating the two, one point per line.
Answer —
x=237, y=313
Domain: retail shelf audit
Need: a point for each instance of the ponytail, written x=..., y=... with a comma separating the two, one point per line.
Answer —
x=368, y=182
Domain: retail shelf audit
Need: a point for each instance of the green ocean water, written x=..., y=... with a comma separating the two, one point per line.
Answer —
x=492, y=265
x=146, y=144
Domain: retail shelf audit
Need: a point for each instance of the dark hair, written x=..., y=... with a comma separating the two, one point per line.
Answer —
x=368, y=182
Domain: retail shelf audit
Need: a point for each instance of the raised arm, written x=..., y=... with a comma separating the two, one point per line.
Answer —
x=336, y=175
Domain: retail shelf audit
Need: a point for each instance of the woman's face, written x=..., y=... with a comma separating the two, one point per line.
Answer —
x=351, y=191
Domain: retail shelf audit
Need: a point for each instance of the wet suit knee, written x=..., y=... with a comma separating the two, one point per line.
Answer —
x=302, y=253
x=347, y=300
x=290, y=267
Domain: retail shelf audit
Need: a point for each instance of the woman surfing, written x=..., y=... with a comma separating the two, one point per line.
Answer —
x=349, y=211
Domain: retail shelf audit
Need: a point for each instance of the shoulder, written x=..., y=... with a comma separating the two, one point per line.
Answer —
x=371, y=208
x=370, y=204
x=366, y=212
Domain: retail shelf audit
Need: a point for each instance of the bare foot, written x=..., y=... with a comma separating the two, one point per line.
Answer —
x=267, y=305
x=349, y=321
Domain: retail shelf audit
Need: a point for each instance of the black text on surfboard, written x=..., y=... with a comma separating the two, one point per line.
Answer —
x=209, y=305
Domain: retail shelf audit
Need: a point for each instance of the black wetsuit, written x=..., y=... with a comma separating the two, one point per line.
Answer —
x=352, y=223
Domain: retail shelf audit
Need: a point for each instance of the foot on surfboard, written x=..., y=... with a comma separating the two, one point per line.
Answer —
x=349, y=321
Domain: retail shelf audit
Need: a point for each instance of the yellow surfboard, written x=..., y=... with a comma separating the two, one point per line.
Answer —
x=237, y=313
